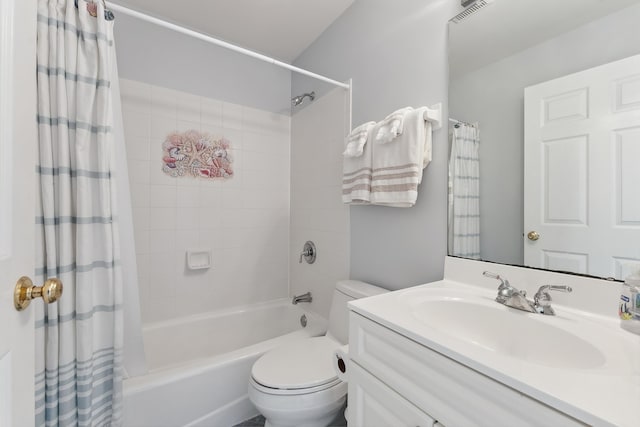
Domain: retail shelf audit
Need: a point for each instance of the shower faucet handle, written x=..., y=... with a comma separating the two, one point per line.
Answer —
x=308, y=253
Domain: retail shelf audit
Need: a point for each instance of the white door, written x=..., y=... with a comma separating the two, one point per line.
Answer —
x=17, y=183
x=582, y=171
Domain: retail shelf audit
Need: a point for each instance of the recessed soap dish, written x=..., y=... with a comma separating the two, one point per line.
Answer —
x=199, y=259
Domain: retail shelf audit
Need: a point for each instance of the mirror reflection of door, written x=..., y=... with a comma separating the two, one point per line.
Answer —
x=497, y=52
x=582, y=174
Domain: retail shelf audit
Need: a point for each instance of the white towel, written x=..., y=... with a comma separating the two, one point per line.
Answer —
x=356, y=176
x=355, y=141
x=392, y=126
x=397, y=166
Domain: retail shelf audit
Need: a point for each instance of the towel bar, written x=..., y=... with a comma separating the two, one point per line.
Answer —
x=434, y=115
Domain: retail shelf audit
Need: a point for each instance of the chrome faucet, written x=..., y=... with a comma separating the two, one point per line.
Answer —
x=302, y=298
x=512, y=297
x=542, y=298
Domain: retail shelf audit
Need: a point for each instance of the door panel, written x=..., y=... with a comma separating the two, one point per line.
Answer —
x=582, y=145
x=18, y=135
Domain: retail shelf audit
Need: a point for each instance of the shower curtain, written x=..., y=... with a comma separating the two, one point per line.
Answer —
x=464, y=192
x=79, y=339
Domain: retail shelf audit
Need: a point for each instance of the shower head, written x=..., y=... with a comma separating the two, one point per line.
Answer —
x=297, y=100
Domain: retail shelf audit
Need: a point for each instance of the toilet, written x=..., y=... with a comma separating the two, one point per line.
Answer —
x=296, y=385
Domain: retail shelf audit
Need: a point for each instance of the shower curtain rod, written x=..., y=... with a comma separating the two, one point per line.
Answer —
x=460, y=122
x=212, y=40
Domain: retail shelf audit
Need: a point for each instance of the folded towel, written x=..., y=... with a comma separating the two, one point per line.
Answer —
x=356, y=177
x=392, y=126
x=354, y=143
x=397, y=167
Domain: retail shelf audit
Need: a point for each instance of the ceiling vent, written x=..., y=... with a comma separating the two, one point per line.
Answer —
x=479, y=4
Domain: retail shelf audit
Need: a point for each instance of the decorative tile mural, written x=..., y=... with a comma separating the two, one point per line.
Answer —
x=196, y=154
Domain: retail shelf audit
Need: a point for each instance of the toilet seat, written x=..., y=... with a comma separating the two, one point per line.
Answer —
x=307, y=368
x=296, y=391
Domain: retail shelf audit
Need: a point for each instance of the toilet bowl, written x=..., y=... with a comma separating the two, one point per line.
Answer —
x=296, y=385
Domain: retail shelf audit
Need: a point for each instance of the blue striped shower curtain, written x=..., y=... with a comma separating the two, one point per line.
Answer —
x=464, y=192
x=79, y=339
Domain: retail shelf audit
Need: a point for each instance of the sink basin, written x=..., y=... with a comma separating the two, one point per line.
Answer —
x=495, y=328
x=579, y=362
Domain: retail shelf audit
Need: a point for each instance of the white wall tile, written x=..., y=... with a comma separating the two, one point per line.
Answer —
x=162, y=196
x=235, y=137
x=231, y=116
x=185, y=125
x=157, y=309
x=210, y=196
x=164, y=102
x=317, y=213
x=188, y=197
x=187, y=218
x=187, y=181
x=233, y=198
x=137, y=148
x=163, y=277
x=187, y=239
x=162, y=219
x=161, y=126
x=136, y=124
x=141, y=239
x=138, y=171
x=243, y=220
x=264, y=122
x=209, y=218
x=188, y=107
x=143, y=264
x=141, y=217
x=162, y=241
x=211, y=113
x=156, y=175
x=139, y=194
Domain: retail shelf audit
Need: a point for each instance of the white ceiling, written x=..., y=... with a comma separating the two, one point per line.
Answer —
x=505, y=27
x=282, y=29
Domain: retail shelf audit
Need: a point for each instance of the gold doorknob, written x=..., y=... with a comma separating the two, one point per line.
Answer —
x=533, y=235
x=25, y=291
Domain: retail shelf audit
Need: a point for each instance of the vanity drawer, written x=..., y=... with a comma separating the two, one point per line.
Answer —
x=373, y=404
x=448, y=391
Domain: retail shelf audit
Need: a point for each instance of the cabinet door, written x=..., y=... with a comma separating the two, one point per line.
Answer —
x=373, y=404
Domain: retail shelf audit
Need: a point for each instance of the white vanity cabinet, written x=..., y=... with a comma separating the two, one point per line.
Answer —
x=373, y=403
x=395, y=381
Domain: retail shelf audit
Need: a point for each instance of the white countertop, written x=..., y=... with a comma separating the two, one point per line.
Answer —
x=607, y=393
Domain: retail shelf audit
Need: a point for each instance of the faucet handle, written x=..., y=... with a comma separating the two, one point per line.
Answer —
x=308, y=252
x=561, y=288
x=542, y=291
x=503, y=282
x=505, y=290
x=542, y=299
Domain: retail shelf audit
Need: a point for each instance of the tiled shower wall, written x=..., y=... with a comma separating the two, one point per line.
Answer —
x=317, y=212
x=244, y=220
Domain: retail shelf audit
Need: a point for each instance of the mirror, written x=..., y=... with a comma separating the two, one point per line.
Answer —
x=508, y=46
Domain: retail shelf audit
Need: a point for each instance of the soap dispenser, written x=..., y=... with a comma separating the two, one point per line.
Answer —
x=629, y=308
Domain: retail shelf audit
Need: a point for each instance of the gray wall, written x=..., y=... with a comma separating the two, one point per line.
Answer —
x=397, y=57
x=162, y=57
x=494, y=97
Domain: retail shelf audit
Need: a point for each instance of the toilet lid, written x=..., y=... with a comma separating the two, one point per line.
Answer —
x=302, y=364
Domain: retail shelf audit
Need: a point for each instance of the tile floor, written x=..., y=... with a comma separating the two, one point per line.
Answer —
x=253, y=422
x=259, y=422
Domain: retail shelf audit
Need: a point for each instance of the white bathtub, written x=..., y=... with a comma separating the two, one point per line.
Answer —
x=199, y=366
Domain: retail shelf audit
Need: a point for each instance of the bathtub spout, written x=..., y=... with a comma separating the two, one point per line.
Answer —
x=302, y=298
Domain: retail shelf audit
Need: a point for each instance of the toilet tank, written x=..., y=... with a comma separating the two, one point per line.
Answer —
x=345, y=291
